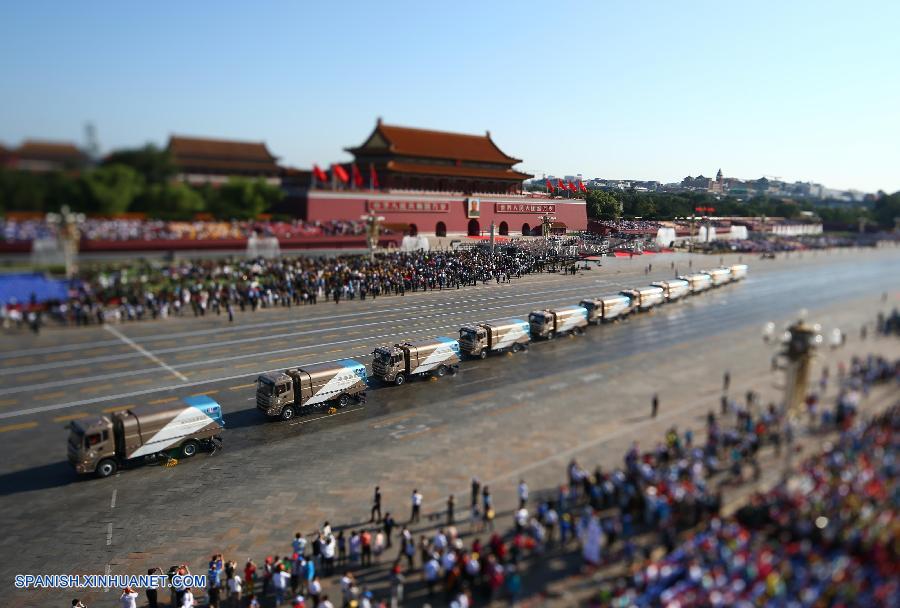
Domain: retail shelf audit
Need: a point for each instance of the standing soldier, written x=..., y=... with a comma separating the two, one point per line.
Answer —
x=655, y=405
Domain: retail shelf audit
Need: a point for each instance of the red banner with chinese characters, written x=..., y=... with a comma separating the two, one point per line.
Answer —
x=408, y=206
x=524, y=208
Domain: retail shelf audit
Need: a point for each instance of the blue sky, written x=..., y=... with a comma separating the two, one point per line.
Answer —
x=608, y=88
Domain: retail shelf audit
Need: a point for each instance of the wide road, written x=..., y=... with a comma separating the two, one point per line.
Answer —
x=500, y=417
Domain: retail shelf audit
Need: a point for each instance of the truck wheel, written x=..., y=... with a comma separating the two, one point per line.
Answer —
x=288, y=412
x=516, y=347
x=483, y=354
x=344, y=400
x=441, y=371
x=189, y=448
x=400, y=379
x=105, y=468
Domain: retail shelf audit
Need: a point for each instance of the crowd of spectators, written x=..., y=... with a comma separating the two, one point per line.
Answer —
x=159, y=290
x=827, y=537
x=628, y=227
x=98, y=229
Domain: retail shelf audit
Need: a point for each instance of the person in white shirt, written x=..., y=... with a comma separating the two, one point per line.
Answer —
x=523, y=493
x=187, y=600
x=281, y=579
x=416, y=506
x=234, y=589
x=129, y=598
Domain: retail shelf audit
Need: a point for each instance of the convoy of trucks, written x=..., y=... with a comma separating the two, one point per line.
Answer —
x=549, y=323
x=479, y=339
x=103, y=444
x=395, y=364
x=288, y=393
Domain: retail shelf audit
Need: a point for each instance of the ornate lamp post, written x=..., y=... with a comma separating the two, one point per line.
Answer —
x=798, y=347
x=68, y=236
x=373, y=230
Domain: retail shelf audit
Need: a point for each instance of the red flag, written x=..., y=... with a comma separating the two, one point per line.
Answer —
x=373, y=177
x=319, y=174
x=571, y=187
x=560, y=184
x=340, y=173
x=582, y=187
x=549, y=185
x=357, y=176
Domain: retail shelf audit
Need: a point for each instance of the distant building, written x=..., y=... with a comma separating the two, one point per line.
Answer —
x=422, y=159
x=213, y=161
x=46, y=156
x=696, y=183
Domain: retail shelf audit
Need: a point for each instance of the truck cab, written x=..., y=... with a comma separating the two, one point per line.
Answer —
x=274, y=390
x=719, y=276
x=674, y=289
x=478, y=339
x=387, y=362
x=90, y=441
x=606, y=309
x=645, y=298
x=549, y=323
x=473, y=340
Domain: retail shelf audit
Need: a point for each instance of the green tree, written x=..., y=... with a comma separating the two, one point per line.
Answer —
x=242, y=198
x=603, y=205
x=886, y=210
x=170, y=200
x=154, y=164
x=111, y=189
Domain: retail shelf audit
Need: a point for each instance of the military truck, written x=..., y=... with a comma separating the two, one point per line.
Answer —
x=396, y=364
x=103, y=444
x=719, y=276
x=699, y=282
x=606, y=309
x=645, y=298
x=479, y=339
x=674, y=289
x=549, y=323
x=738, y=271
x=294, y=391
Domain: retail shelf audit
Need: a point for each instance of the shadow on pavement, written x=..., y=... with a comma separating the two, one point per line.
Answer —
x=37, y=478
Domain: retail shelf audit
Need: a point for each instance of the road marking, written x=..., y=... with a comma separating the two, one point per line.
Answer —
x=333, y=350
x=242, y=365
x=383, y=423
x=18, y=427
x=112, y=503
x=70, y=417
x=204, y=393
x=108, y=570
x=138, y=381
x=242, y=386
x=504, y=409
x=109, y=534
x=145, y=352
x=98, y=387
x=54, y=395
x=163, y=400
x=279, y=359
x=418, y=432
x=118, y=408
x=8, y=401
